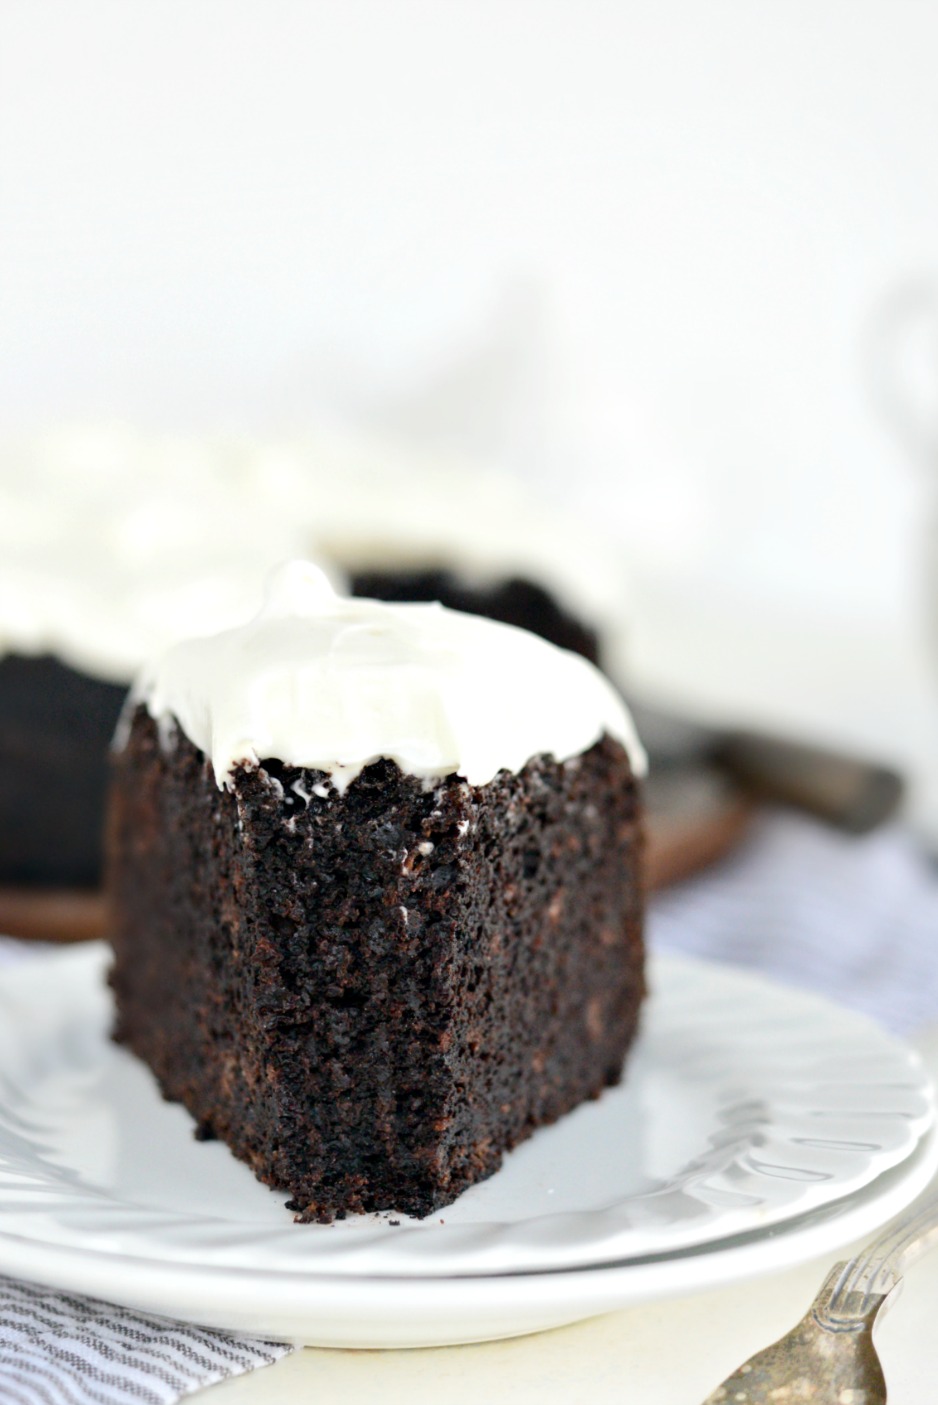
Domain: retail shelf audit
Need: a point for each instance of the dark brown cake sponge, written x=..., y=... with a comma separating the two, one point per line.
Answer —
x=371, y=997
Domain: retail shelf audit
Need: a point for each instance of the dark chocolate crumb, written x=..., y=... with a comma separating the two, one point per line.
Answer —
x=367, y=1037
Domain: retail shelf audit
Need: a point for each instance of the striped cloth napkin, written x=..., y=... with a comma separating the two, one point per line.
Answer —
x=56, y=1349
x=856, y=919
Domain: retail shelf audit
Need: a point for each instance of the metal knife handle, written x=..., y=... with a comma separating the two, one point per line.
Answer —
x=852, y=794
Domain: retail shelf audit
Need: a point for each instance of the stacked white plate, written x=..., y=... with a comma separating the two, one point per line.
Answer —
x=757, y=1127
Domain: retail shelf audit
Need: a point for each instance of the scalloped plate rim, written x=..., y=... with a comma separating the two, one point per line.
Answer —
x=381, y=1313
x=534, y=1243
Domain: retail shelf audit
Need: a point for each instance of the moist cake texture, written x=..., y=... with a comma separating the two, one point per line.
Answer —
x=372, y=983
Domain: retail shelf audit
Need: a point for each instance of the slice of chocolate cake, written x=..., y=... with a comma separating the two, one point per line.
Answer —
x=376, y=891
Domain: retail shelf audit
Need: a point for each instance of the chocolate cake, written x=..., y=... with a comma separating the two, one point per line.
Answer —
x=56, y=724
x=376, y=891
x=112, y=546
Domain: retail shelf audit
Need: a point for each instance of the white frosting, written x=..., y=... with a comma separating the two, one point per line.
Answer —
x=114, y=544
x=112, y=547
x=333, y=684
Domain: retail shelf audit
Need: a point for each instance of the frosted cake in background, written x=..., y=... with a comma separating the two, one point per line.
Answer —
x=111, y=548
x=115, y=544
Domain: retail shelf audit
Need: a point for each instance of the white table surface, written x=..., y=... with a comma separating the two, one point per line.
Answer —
x=665, y=1353
x=871, y=690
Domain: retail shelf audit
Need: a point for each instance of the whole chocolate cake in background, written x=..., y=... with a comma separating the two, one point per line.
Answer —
x=376, y=880
x=113, y=544
x=111, y=548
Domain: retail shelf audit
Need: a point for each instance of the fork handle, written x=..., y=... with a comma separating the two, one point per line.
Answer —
x=875, y=1271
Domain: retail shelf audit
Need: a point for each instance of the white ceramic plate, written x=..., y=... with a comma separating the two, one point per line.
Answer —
x=317, y=1310
x=746, y=1105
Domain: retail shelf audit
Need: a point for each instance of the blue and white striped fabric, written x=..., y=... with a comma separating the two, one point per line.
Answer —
x=853, y=919
x=57, y=1349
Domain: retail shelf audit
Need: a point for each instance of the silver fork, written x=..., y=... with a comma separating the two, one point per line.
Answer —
x=829, y=1357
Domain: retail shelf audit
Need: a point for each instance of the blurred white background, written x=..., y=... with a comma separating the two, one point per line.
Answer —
x=631, y=249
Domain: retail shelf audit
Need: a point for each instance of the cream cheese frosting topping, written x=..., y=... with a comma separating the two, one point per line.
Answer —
x=333, y=684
